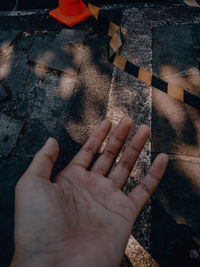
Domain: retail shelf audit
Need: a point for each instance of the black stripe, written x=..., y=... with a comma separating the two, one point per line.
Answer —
x=132, y=69
x=104, y=21
x=159, y=84
x=86, y=2
x=109, y=38
x=119, y=34
x=111, y=54
x=191, y=100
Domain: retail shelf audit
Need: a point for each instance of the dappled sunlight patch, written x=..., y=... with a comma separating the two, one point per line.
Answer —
x=180, y=219
x=40, y=71
x=5, y=63
x=78, y=131
x=169, y=108
x=81, y=130
x=45, y=58
x=114, y=112
x=67, y=85
x=4, y=45
x=184, y=121
x=190, y=170
x=188, y=79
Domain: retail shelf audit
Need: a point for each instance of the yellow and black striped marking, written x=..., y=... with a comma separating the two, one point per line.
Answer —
x=115, y=42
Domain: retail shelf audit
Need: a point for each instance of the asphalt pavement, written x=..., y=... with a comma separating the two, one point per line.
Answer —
x=56, y=81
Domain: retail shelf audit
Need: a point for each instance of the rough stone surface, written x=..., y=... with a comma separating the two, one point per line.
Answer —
x=130, y=96
x=9, y=133
x=56, y=55
x=45, y=98
x=3, y=93
x=89, y=103
x=70, y=36
x=25, y=42
x=6, y=38
x=14, y=71
x=8, y=180
x=45, y=107
x=69, y=105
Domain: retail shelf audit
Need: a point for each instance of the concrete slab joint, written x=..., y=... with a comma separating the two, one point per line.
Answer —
x=58, y=54
x=9, y=132
x=7, y=38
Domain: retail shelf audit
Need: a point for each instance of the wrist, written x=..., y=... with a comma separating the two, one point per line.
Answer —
x=33, y=259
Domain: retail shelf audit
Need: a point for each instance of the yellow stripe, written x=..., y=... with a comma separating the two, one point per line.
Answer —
x=191, y=3
x=120, y=62
x=115, y=42
x=175, y=92
x=94, y=10
x=113, y=28
x=145, y=76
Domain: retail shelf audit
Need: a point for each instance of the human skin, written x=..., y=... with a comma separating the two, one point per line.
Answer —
x=82, y=218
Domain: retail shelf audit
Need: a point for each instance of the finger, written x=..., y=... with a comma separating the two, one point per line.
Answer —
x=44, y=160
x=91, y=147
x=123, y=169
x=142, y=193
x=110, y=153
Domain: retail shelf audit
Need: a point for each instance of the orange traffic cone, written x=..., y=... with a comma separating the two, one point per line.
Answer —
x=70, y=12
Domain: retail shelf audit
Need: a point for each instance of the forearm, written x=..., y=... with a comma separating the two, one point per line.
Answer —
x=81, y=260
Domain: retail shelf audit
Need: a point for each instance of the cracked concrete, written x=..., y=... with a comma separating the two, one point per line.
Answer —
x=7, y=38
x=9, y=133
x=49, y=54
x=43, y=99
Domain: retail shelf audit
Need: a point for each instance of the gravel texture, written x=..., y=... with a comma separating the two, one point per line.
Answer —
x=133, y=97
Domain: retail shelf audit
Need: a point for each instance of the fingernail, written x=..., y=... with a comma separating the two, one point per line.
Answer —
x=50, y=141
x=144, y=129
x=105, y=122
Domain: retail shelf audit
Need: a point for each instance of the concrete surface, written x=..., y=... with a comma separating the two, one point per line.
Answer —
x=9, y=132
x=3, y=93
x=50, y=52
x=182, y=210
x=128, y=95
x=6, y=38
x=46, y=100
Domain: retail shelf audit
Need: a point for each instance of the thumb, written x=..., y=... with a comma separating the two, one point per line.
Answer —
x=44, y=160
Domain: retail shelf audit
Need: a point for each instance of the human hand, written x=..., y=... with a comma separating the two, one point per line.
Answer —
x=83, y=218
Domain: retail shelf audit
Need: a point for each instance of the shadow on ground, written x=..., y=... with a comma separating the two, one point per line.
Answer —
x=176, y=131
x=65, y=98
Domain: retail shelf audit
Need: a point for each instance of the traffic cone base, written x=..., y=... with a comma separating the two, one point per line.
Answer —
x=70, y=20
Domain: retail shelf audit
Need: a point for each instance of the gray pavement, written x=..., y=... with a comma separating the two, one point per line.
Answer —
x=3, y=93
x=57, y=82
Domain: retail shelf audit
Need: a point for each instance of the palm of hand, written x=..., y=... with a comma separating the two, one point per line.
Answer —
x=83, y=219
